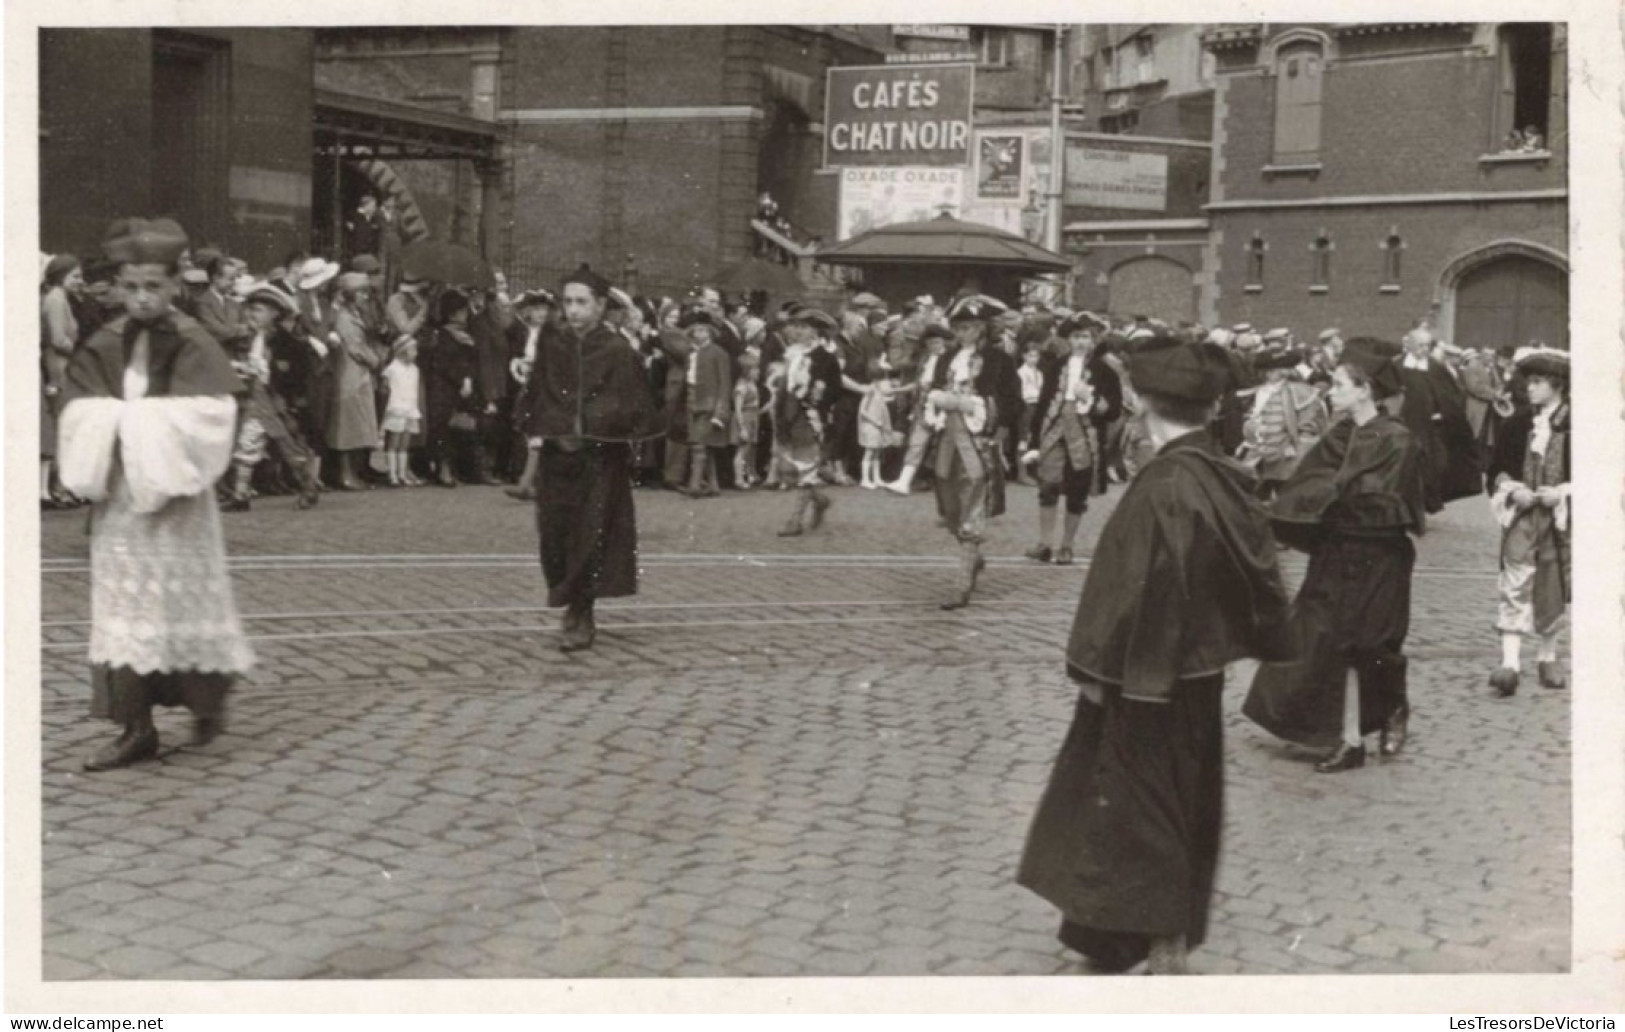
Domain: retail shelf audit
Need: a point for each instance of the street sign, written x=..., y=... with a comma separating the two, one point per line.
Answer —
x=957, y=33
x=897, y=115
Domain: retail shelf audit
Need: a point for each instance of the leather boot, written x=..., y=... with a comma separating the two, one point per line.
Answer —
x=309, y=490
x=970, y=563
x=820, y=505
x=138, y=742
x=579, y=628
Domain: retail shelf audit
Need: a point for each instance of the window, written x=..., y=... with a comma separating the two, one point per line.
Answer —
x=1320, y=280
x=1298, y=74
x=994, y=47
x=1524, y=102
x=1145, y=55
x=1393, y=247
x=1124, y=123
x=1255, y=263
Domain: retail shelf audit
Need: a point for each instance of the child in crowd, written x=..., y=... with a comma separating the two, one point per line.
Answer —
x=1032, y=384
x=773, y=383
x=747, y=418
x=875, y=432
x=402, y=418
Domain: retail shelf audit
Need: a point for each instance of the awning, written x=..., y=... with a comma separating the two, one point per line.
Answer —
x=358, y=125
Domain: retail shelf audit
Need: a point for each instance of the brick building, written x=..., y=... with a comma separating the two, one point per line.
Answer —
x=211, y=126
x=639, y=149
x=1363, y=176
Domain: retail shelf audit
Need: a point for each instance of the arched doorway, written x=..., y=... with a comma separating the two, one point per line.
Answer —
x=1509, y=297
x=1159, y=287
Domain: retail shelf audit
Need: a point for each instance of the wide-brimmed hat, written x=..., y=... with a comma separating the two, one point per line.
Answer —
x=268, y=293
x=315, y=272
x=194, y=277
x=60, y=266
x=1541, y=360
x=1168, y=367
x=696, y=315
x=365, y=263
x=1277, y=334
x=1277, y=358
x=975, y=307
x=536, y=296
x=1330, y=333
x=1379, y=361
x=145, y=242
x=816, y=318
x=866, y=300
x=354, y=281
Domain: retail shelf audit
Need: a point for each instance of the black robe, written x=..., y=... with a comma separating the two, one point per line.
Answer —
x=589, y=402
x=1126, y=839
x=1435, y=412
x=1351, y=504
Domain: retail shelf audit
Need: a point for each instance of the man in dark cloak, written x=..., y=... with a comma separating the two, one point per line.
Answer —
x=1435, y=411
x=589, y=403
x=1184, y=581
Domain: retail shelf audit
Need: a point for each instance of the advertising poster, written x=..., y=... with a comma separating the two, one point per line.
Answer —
x=1001, y=160
x=875, y=197
x=889, y=116
x=1097, y=178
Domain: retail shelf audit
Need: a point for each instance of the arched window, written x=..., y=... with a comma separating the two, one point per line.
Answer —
x=1298, y=74
x=1523, y=103
x=1320, y=279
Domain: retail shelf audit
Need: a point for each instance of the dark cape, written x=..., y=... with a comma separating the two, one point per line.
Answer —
x=1183, y=580
x=1434, y=409
x=589, y=401
x=1126, y=839
x=1351, y=504
x=183, y=361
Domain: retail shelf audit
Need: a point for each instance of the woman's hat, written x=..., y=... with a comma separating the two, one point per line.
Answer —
x=619, y=298
x=1168, y=367
x=816, y=318
x=401, y=344
x=365, y=263
x=192, y=277
x=1081, y=321
x=697, y=316
x=1277, y=358
x=1541, y=360
x=145, y=242
x=270, y=294
x=936, y=331
x=536, y=296
x=353, y=281
x=315, y=272
x=975, y=307
x=60, y=266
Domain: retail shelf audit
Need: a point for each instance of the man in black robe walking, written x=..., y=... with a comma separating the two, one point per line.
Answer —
x=1184, y=581
x=589, y=401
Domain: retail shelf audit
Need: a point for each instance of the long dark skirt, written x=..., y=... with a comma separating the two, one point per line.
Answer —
x=588, y=528
x=122, y=695
x=1353, y=613
x=1126, y=840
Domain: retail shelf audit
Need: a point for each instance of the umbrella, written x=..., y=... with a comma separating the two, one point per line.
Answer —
x=755, y=274
x=943, y=240
x=448, y=263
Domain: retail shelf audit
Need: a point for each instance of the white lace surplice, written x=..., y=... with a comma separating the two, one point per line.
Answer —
x=161, y=597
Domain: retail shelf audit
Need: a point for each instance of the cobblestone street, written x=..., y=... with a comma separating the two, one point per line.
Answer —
x=780, y=759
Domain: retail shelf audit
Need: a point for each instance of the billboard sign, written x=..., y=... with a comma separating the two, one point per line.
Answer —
x=1097, y=178
x=957, y=33
x=875, y=197
x=880, y=116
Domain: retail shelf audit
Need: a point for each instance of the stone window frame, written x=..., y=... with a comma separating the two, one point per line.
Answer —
x=1256, y=250
x=1296, y=162
x=1392, y=246
x=1320, y=262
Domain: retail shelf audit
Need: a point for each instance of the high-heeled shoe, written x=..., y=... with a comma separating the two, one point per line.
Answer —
x=1395, y=732
x=1345, y=757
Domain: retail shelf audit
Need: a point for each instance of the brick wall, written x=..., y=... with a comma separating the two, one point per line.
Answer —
x=271, y=146
x=1434, y=235
x=1093, y=268
x=1412, y=125
x=96, y=115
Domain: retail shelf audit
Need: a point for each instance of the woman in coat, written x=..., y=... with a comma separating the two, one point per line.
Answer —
x=353, y=428
x=451, y=387
x=60, y=329
x=315, y=325
x=1352, y=504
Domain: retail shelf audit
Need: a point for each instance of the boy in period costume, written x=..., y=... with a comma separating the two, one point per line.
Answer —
x=1184, y=581
x=802, y=412
x=1529, y=483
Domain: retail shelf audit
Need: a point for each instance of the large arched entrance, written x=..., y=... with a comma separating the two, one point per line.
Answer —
x=1508, y=296
x=1159, y=287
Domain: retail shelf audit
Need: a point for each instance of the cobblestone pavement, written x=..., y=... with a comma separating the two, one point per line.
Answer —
x=780, y=759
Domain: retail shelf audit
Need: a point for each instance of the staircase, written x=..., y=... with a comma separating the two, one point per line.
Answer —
x=826, y=285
